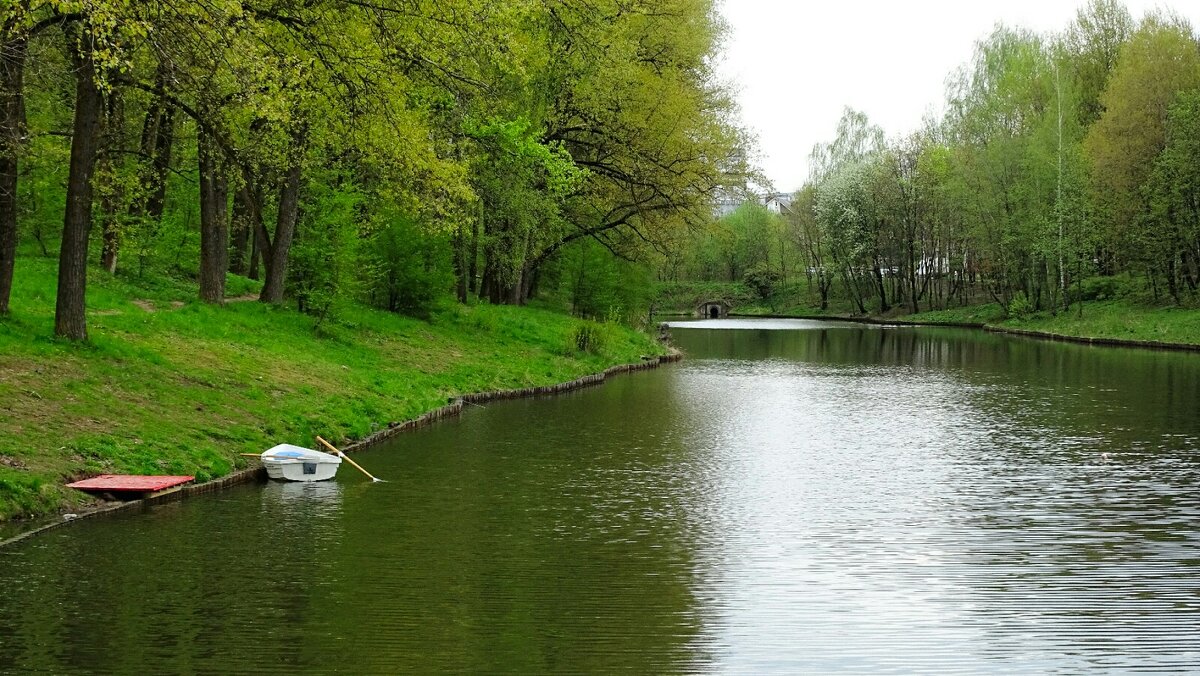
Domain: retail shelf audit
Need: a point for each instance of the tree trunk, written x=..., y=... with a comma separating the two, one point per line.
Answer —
x=256, y=249
x=164, y=141
x=70, y=320
x=515, y=293
x=529, y=284
x=214, y=231
x=473, y=258
x=490, y=285
x=276, y=253
x=460, y=262
x=883, y=301
x=155, y=162
x=1172, y=286
x=12, y=124
x=239, y=233
x=110, y=202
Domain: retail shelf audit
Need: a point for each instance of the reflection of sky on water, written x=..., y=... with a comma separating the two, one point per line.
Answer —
x=314, y=499
x=743, y=324
x=891, y=501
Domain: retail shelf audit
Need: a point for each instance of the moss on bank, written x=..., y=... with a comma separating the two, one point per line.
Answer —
x=168, y=385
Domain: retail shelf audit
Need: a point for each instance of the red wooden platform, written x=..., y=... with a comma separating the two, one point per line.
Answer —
x=128, y=483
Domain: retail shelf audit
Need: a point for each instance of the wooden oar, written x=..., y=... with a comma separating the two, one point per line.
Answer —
x=333, y=448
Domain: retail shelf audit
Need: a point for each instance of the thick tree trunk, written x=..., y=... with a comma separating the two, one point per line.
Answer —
x=70, y=320
x=214, y=230
x=12, y=119
x=514, y=293
x=276, y=254
x=529, y=284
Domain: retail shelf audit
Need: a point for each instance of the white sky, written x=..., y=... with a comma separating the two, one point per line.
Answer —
x=796, y=64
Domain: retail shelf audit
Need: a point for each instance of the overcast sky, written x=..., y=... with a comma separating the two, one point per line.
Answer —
x=796, y=64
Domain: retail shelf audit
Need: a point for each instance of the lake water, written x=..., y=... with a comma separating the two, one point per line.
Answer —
x=795, y=497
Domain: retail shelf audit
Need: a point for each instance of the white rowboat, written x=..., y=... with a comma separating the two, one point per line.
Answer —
x=286, y=462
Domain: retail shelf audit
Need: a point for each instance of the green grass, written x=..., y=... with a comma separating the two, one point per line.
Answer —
x=1117, y=319
x=168, y=385
x=971, y=314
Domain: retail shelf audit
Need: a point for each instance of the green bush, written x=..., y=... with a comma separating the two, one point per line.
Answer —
x=763, y=280
x=1103, y=288
x=1020, y=307
x=589, y=337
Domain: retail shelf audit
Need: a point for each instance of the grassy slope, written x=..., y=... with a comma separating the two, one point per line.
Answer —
x=1118, y=319
x=181, y=388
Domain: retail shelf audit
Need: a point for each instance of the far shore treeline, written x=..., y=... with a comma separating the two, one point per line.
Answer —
x=1065, y=168
x=387, y=153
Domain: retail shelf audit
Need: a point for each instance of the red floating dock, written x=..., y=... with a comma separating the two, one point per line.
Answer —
x=141, y=486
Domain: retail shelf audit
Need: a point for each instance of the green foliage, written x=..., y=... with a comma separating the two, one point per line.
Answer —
x=1103, y=288
x=589, y=282
x=1019, y=307
x=326, y=260
x=1159, y=61
x=750, y=236
x=411, y=266
x=763, y=280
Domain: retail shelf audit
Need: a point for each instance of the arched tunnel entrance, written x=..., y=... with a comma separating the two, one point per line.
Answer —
x=712, y=309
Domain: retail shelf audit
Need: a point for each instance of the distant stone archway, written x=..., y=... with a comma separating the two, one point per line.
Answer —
x=713, y=309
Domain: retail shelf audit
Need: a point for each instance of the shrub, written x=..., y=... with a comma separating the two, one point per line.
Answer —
x=1103, y=288
x=763, y=280
x=1019, y=306
x=589, y=337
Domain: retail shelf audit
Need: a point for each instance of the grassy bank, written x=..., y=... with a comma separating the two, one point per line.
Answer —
x=168, y=385
x=1127, y=318
x=1119, y=320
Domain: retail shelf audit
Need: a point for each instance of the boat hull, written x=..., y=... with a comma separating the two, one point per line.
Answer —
x=292, y=463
